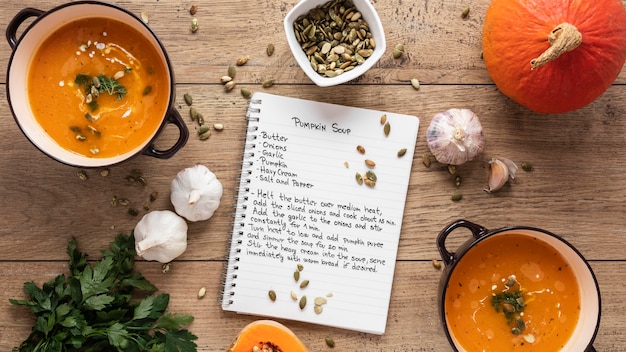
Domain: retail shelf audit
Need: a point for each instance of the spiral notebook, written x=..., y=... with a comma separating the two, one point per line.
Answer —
x=319, y=212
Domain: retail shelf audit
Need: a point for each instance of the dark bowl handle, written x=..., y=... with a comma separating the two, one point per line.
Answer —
x=591, y=349
x=450, y=257
x=17, y=21
x=173, y=117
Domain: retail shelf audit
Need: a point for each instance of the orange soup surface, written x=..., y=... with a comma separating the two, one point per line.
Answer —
x=512, y=292
x=98, y=87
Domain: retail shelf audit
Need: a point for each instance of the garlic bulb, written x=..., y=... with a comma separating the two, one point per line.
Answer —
x=196, y=193
x=500, y=170
x=455, y=136
x=160, y=235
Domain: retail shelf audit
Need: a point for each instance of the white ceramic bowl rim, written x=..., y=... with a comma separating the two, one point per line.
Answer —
x=23, y=48
x=589, y=320
x=369, y=14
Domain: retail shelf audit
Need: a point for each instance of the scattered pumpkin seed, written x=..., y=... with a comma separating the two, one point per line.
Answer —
x=527, y=167
x=346, y=164
x=202, y=129
x=457, y=181
x=188, y=99
x=293, y=295
x=205, y=135
x=270, y=49
x=304, y=284
x=144, y=17
x=272, y=295
x=201, y=292
x=426, y=159
x=516, y=331
x=218, y=126
x=530, y=338
x=268, y=83
x=296, y=275
x=465, y=12
x=370, y=163
x=359, y=178
x=436, y=264
x=193, y=113
x=123, y=201
x=133, y=212
x=387, y=128
x=383, y=119
x=242, y=60
x=300, y=267
x=302, y=302
x=104, y=172
x=82, y=175
x=193, y=9
x=320, y=300
x=398, y=50
x=456, y=197
x=401, y=152
x=330, y=342
x=165, y=268
x=452, y=169
x=229, y=86
x=318, y=309
x=415, y=83
x=194, y=25
x=153, y=196
x=232, y=71
x=225, y=79
x=370, y=175
x=360, y=149
x=245, y=92
x=329, y=294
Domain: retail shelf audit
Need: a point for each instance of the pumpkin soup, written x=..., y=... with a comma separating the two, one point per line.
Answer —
x=98, y=87
x=503, y=297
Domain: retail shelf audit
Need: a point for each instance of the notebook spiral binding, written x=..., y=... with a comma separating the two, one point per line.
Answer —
x=229, y=278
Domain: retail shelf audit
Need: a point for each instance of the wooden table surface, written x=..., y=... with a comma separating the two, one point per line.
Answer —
x=577, y=188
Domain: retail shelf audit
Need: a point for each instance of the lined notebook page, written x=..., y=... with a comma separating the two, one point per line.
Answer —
x=299, y=202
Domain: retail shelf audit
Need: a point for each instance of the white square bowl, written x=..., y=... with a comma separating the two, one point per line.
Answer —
x=368, y=14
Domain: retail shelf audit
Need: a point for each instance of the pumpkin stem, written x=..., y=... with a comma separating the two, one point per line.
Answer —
x=563, y=38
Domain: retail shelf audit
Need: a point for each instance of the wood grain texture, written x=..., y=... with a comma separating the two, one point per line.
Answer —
x=577, y=188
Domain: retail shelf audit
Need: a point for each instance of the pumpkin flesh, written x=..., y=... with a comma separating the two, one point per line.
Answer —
x=270, y=332
x=516, y=31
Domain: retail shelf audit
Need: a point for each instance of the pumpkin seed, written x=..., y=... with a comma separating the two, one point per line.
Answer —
x=383, y=119
x=370, y=175
x=242, y=60
x=436, y=264
x=401, y=152
x=205, y=135
x=268, y=83
x=194, y=25
x=302, y=302
x=232, y=71
x=398, y=50
x=457, y=181
x=245, y=92
x=272, y=295
x=296, y=275
x=370, y=183
x=193, y=9
x=300, y=267
x=270, y=49
x=304, y=284
x=293, y=295
x=229, y=86
x=360, y=149
x=452, y=169
x=104, y=172
x=165, y=268
x=370, y=163
x=218, y=126
x=359, y=178
x=456, y=197
x=193, y=113
x=225, y=79
x=465, y=12
x=320, y=300
x=330, y=342
x=202, y=129
x=387, y=128
x=318, y=309
x=133, y=212
x=415, y=83
x=201, y=292
x=346, y=164
x=188, y=99
x=426, y=160
x=527, y=167
x=82, y=175
x=144, y=17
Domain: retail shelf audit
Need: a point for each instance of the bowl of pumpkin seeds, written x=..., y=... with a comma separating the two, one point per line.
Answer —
x=334, y=41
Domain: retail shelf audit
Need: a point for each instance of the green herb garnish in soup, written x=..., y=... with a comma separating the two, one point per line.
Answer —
x=88, y=87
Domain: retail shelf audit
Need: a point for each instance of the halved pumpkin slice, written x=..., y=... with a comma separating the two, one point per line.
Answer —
x=270, y=334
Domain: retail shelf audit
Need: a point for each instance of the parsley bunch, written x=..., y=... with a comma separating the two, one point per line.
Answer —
x=96, y=309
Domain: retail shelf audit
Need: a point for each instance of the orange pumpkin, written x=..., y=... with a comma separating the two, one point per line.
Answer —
x=267, y=332
x=554, y=56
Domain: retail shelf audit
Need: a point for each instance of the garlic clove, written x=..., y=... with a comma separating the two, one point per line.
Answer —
x=196, y=193
x=455, y=136
x=500, y=170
